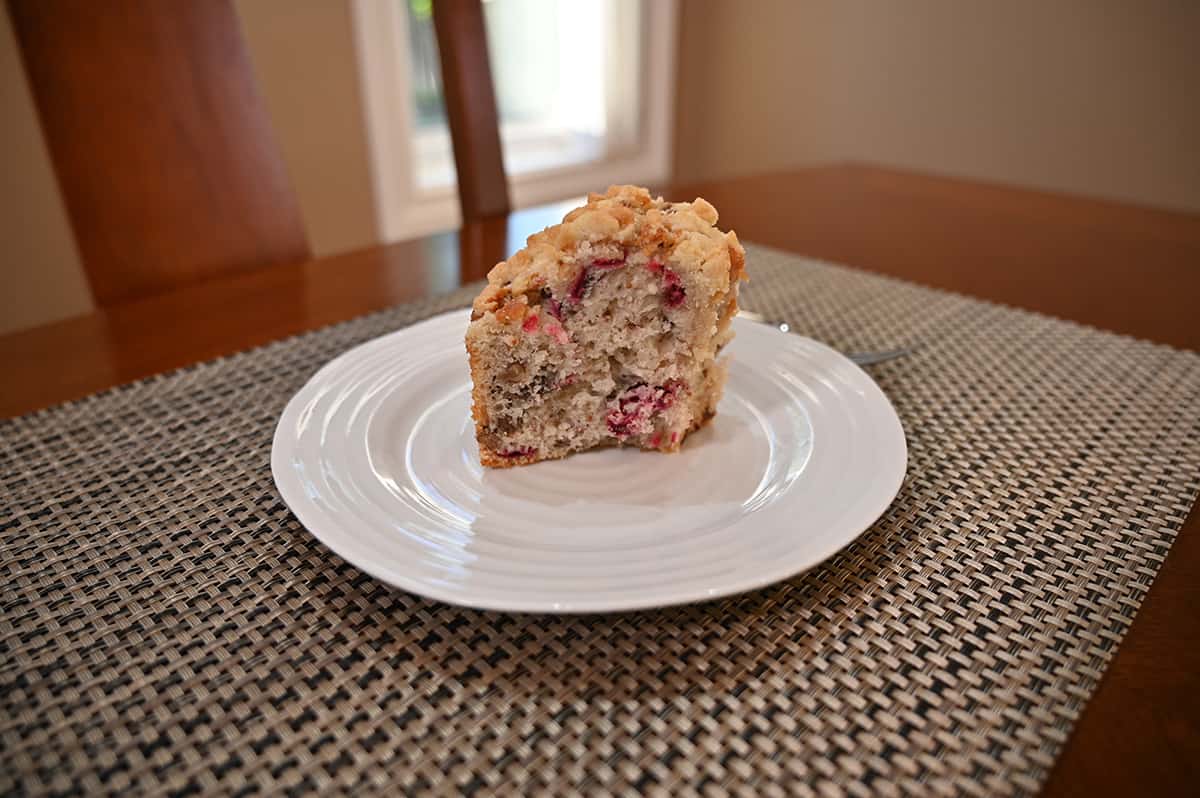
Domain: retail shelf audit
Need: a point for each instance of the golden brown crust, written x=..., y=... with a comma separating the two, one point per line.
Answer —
x=478, y=405
x=492, y=460
x=630, y=216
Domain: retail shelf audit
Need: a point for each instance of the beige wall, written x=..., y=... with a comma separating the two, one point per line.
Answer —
x=1094, y=97
x=40, y=276
x=304, y=56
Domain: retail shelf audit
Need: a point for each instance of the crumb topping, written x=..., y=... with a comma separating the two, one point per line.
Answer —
x=602, y=235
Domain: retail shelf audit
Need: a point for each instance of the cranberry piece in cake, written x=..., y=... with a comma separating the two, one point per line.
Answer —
x=604, y=330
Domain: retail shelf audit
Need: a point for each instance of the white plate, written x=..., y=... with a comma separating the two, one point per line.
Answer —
x=376, y=456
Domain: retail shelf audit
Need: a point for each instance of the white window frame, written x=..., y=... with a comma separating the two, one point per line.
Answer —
x=404, y=211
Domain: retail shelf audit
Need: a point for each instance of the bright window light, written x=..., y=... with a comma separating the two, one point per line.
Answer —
x=584, y=89
x=555, y=84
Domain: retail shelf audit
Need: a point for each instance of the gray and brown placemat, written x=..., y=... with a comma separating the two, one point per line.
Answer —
x=168, y=626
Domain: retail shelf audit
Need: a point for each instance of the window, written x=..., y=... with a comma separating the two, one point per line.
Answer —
x=583, y=89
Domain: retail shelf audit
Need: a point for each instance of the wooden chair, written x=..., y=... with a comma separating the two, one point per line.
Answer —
x=159, y=139
x=471, y=109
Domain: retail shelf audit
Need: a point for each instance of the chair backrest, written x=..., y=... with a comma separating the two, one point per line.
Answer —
x=160, y=141
x=471, y=111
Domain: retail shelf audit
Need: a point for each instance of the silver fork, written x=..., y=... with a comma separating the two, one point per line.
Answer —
x=859, y=358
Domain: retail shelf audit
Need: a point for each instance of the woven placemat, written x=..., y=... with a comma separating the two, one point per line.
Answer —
x=168, y=626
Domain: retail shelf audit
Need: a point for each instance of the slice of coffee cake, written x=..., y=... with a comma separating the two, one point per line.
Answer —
x=604, y=330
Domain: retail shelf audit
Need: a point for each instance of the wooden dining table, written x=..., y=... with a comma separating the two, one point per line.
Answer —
x=1129, y=269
